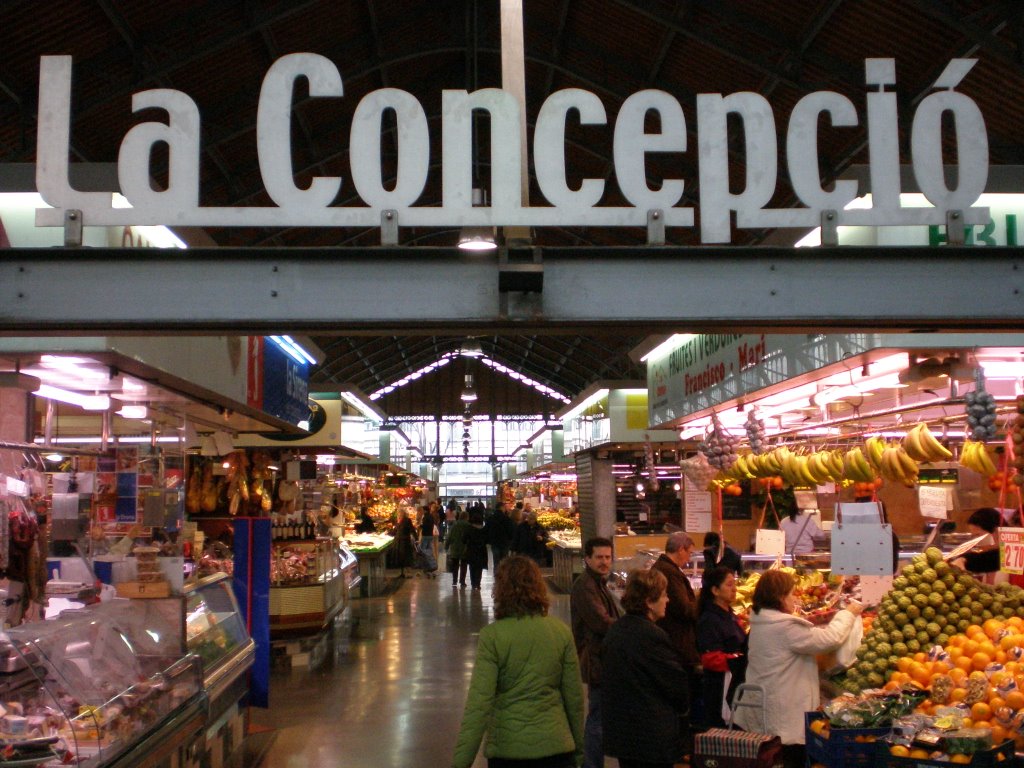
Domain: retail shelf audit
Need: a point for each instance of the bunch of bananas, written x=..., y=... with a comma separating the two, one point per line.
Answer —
x=896, y=465
x=856, y=466
x=921, y=445
x=974, y=455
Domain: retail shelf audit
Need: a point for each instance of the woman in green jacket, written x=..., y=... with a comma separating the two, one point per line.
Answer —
x=525, y=692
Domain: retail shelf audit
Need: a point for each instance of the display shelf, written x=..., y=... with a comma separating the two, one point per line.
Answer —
x=100, y=680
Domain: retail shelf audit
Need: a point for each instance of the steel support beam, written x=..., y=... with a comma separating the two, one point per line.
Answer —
x=423, y=291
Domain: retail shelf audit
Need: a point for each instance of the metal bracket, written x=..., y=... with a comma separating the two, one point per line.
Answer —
x=655, y=227
x=954, y=228
x=829, y=227
x=72, y=228
x=389, y=227
x=520, y=270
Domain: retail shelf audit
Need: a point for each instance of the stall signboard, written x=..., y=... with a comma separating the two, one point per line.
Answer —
x=719, y=121
x=1011, y=550
x=706, y=370
x=694, y=373
x=768, y=541
x=278, y=384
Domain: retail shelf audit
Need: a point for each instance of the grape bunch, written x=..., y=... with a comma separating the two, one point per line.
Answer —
x=1017, y=435
x=755, y=433
x=981, y=412
x=719, y=446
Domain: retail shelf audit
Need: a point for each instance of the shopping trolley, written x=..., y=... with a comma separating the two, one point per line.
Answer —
x=732, y=748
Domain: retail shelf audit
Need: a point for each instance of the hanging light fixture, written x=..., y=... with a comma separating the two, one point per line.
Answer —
x=477, y=238
x=468, y=393
x=471, y=348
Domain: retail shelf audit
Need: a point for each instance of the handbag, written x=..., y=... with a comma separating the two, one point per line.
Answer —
x=731, y=748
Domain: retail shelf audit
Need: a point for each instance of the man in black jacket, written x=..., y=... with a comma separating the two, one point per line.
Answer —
x=500, y=530
x=593, y=610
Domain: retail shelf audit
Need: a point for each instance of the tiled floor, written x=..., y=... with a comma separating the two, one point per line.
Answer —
x=393, y=698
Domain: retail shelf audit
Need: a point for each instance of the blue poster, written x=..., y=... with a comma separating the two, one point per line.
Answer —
x=126, y=509
x=127, y=484
x=285, y=384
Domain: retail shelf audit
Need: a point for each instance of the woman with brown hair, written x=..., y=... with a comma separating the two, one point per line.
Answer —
x=781, y=660
x=645, y=691
x=525, y=693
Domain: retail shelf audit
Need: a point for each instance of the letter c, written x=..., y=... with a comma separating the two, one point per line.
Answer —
x=273, y=128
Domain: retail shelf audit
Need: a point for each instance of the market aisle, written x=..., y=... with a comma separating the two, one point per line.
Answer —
x=394, y=698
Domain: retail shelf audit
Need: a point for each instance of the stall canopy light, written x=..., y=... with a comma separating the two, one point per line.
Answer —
x=294, y=349
x=86, y=402
x=133, y=412
x=1002, y=369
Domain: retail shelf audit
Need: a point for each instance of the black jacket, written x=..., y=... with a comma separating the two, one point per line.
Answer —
x=718, y=630
x=644, y=692
x=500, y=529
x=730, y=559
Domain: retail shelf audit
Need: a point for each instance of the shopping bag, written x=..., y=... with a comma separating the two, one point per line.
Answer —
x=731, y=748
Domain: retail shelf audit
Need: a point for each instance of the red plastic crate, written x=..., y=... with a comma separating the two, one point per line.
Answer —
x=841, y=749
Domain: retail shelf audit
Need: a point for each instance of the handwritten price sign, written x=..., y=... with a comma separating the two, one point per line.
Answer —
x=1011, y=550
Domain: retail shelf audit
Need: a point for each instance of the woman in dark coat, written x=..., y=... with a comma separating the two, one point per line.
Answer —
x=645, y=691
x=476, y=547
x=405, y=543
x=721, y=642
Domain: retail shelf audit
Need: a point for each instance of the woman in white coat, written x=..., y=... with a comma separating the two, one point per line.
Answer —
x=781, y=660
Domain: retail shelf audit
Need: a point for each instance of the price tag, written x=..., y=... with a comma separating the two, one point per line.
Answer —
x=1011, y=550
x=932, y=501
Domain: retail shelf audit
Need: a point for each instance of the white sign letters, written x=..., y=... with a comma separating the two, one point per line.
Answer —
x=178, y=203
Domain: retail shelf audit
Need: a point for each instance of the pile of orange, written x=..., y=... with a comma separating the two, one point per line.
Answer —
x=974, y=655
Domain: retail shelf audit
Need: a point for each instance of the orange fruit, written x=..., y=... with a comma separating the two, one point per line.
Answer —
x=919, y=754
x=980, y=660
x=973, y=630
x=995, y=702
x=998, y=734
x=960, y=759
x=999, y=656
x=992, y=627
x=980, y=710
x=964, y=663
x=903, y=663
x=970, y=647
x=987, y=648
x=1015, y=621
x=1015, y=700
x=956, y=674
x=957, y=694
x=898, y=750
x=892, y=685
x=920, y=674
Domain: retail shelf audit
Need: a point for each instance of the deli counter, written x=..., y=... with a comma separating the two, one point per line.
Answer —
x=103, y=686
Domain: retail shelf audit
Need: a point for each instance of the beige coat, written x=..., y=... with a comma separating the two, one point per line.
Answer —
x=781, y=659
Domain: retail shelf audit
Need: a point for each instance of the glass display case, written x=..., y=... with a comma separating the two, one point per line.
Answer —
x=215, y=632
x=98, y=687
x=310, y=583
